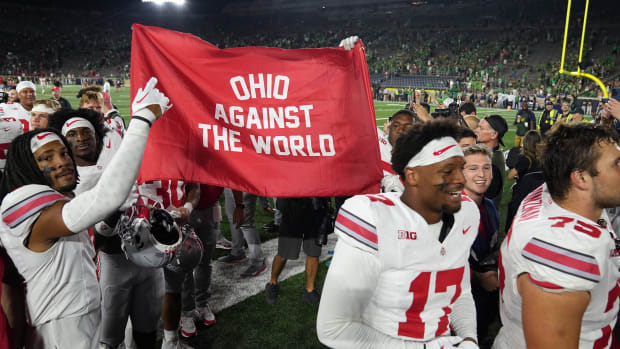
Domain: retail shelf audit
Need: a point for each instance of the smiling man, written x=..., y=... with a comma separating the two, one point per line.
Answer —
x=44, y=225
x=400, y=274
x=26, y=91
x=483, y=258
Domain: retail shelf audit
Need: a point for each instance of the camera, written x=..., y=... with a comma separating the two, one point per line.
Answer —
x=452, y=111
x=327, y=220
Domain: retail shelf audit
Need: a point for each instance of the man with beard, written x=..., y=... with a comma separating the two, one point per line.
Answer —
x=400, y=273
x=559, y=264
x=44, y=224
x=127, y=290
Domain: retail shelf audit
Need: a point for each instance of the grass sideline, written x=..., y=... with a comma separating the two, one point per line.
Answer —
x=291, y=323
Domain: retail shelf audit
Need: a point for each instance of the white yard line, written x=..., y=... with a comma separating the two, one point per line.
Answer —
x=228, y=289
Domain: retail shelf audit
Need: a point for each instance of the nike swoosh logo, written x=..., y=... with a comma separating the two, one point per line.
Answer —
x=109, y=144
x=40, y=137
x=141, y=99
x=466, y=230
x=72, y=122
x=441, y=151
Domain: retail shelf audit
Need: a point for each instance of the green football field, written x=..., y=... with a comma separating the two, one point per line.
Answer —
x=290, y=323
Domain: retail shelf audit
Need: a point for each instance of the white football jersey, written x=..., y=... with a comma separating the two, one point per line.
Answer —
x=16, y=111
x=9, y=129
x=391, y=181
x=561, y=251
x=89, y=175
x=420, y=278
x=60, y=282
x=385, y=149
x=170, y=194
x=115, y=124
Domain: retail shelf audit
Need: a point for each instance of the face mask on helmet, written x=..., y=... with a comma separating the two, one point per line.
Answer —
x=149, y=237
x=189, y=254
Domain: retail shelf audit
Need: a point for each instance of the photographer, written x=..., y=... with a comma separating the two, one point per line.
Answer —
x=305, y=222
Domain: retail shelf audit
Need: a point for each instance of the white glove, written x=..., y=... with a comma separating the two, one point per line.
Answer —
x=468, y=345
x=392, y=183
x=149, y=96
x=446, y=342
x=349, y=42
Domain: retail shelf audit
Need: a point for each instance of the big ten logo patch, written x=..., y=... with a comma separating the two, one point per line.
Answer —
x=407, y=235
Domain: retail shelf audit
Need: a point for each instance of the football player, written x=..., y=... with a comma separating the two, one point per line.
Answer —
x=9, y=129
x=44, y=224
x=41, y=113
x=127, y=289
x=400, y=274
x=181, y=198
x=559, y=263
x=27, y=93
x=400, y=123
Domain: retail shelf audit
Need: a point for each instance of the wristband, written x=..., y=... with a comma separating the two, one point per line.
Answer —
x=189, y=207
x=142, y=119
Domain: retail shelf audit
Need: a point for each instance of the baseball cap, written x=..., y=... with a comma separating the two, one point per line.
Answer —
x=499, y=125
x=578, y=110
x=55, y=88
x=548, y=102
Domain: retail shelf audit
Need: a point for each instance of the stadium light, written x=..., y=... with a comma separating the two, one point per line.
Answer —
x=161, y=2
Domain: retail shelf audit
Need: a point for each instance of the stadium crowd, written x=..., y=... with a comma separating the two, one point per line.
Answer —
x=432, y=234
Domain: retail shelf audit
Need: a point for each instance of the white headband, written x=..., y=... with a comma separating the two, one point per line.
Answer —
x=436, y=151
x=76, y=123
x=25, y=84
x=42, y=108
x=41, y=139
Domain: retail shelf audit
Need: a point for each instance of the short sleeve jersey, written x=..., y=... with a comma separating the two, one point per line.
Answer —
x=420, y=277
x=16, y=111
x=170, y=194
x=89, y=175
x=385, y=148
x=60, y=282
x=9, y=129
x=561, y=251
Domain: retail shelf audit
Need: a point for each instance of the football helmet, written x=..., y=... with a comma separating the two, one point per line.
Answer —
x=189, y=253
x=149, y=236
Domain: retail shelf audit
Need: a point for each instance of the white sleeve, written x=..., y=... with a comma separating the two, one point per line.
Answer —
x=463, y=316
x=112, y=189
x=349, y=285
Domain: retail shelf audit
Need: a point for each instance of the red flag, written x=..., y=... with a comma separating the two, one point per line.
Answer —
x=268, y=121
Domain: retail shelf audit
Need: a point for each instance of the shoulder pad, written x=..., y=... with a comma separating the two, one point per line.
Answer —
x=355, y=224
x=26, y=202
x=570, y=262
